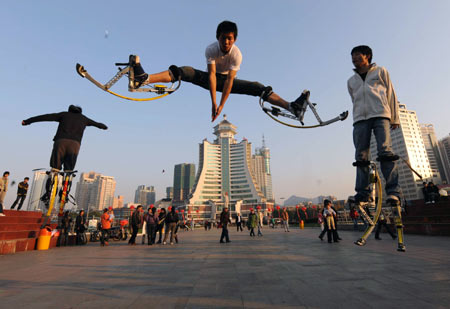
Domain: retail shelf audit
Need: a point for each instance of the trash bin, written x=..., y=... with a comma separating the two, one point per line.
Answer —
x=44, y=238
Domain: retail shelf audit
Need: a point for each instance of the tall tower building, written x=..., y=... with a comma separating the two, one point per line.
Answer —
x=433, y=152
x=444, y=146
x=183, y=181
x=145, y=195
x=95, y=191
x=225, y=166
x=36, y=191
x=261, y=170
x=118, y=202
x=105, y=193
x=169, y=192
x=407, y=142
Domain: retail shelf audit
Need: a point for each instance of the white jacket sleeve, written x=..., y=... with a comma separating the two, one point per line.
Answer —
x=391, y=97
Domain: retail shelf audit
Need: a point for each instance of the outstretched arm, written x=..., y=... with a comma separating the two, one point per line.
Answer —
x=226, y=91
x=212, y=89
x=45, y=117
x=97, y=124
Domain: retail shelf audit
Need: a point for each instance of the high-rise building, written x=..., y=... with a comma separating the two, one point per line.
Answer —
x=183, y=181
x=169, y=192
x=407, y=142
x=261, y=170
x=37, y=189
x=118, y=202
x=145, y=195
x=444, y=146
x=225, y=169
x=95, y=191
x=433, y=152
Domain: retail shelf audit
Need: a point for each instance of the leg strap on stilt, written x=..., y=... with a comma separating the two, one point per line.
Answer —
x=174, y=72
x=361, y=163
x=388, y=158
x=267, y=91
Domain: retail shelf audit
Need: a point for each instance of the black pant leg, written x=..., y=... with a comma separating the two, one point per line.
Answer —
x=22, y=199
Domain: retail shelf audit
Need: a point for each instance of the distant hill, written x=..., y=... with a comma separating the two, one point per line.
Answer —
x=294, y=200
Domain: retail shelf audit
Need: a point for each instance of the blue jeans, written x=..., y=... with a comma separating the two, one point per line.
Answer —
x=361, y=138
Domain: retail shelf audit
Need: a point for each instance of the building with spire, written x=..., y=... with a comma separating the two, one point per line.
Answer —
x=225, y=175
x=261, y=169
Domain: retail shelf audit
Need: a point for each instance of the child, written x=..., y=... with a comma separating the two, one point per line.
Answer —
x=223, y=59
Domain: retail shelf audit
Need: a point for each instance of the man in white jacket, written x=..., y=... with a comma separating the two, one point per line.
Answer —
x=375, y=109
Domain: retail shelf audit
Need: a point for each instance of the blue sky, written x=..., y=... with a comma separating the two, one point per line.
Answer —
x=290, y=45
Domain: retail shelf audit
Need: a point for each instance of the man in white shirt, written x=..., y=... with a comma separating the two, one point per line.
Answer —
x=223, y=60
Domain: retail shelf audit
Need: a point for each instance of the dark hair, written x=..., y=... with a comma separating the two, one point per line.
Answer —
x=82, y=210
x=226, y=27
x=26, y=178
x=363, y=49
x=326, y=202
x=5, y=173
x=105, y=210
x=75, y=109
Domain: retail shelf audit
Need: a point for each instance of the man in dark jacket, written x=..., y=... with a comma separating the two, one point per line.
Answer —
x=152, y=222
x=224, y=220
x=80, y=227
x=171, y=224
x=68, y=137
x=136, y=221
x=22, y=190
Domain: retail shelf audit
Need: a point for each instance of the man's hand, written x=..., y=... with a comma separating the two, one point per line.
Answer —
x=214, y=113
x=394, y=126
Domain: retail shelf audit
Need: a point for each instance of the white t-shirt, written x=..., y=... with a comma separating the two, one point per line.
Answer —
x=224, y=62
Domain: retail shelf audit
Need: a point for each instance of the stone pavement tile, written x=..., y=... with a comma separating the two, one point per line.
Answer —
x=279, y=270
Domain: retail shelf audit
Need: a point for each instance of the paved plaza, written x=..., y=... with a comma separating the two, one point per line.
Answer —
x=278, y=270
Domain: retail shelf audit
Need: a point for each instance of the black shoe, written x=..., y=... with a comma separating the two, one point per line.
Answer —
x=401, y=248
x=321, y=238
x=298, y=107
x=378, y=238
x=228, y=240
x=336, y=241
x=222, y=242
x=139, y=74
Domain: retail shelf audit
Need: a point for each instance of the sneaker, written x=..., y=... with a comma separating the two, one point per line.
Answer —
x=171, y=243
x=164, y=243
x=139, y=74
x=360, y=198
x=298, y=107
